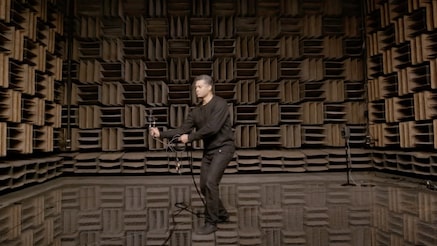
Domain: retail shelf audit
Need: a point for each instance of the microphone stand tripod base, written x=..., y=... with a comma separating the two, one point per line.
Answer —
x=348, y=184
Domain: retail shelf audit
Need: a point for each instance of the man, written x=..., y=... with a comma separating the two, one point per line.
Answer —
x=211, y=119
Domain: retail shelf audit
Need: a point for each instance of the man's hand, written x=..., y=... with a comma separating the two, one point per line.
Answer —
x=184, y=138
x=154, y=132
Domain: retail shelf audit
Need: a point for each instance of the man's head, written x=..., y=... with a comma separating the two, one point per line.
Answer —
x=203, y=85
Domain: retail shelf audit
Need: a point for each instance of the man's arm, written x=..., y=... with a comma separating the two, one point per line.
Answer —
x=186, y=127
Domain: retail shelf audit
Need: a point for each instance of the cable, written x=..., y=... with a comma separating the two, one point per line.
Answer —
x=173, y=220
x=192, y=177
x=173, y=147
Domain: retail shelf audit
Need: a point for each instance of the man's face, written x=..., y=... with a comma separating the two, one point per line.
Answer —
x=202, y=88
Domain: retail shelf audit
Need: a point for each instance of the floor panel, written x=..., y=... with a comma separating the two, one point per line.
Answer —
x=267, y=209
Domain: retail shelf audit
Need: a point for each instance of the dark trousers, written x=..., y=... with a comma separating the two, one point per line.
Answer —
x=212, y=169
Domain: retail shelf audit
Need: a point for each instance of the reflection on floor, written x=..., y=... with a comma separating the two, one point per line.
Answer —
x=274, y=209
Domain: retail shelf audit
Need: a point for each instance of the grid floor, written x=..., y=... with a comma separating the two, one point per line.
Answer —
x=265, y=209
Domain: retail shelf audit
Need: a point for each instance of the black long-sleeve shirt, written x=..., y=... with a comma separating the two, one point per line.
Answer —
x=212, y=123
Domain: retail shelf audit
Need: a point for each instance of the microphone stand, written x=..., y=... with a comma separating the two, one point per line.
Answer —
x=346, y=136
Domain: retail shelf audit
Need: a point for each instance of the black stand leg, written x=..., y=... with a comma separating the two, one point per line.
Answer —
x=348, y=164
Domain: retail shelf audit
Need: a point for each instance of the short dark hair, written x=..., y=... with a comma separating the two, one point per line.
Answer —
x=206, y=78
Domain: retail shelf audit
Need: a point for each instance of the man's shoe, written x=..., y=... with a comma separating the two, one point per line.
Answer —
x=223, y=219
x=206, y=229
